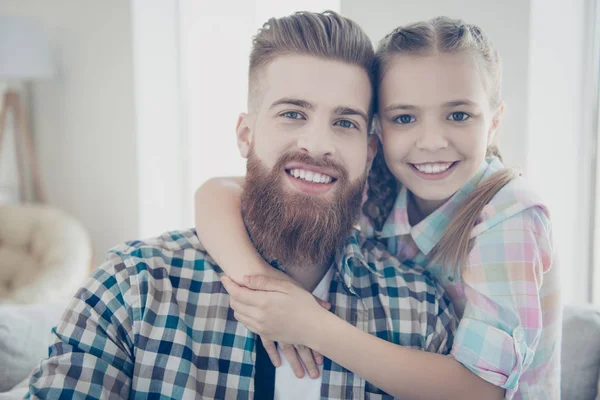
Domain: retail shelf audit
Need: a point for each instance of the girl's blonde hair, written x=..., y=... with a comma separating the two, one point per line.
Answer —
x=440, y=35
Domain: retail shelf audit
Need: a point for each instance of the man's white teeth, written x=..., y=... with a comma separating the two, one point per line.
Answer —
x=433, y=168
x=310, y=176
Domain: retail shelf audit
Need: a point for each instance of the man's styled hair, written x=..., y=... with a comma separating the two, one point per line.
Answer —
x=325, y=35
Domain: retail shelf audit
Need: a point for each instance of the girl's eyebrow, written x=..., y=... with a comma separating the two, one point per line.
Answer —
x=395, y=107
x=408, y=107
x=455, y=103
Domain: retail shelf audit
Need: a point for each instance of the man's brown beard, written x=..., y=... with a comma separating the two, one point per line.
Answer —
x=296, y=229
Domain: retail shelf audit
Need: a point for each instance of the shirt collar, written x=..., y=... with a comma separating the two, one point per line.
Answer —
x=351, y=263
x=427, y=233
x=397, y=223
x=349, y=260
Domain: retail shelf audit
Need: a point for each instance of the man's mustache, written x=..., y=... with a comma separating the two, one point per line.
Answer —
x=308, y=160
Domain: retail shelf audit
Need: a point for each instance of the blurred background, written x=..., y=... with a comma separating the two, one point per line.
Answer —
x=134, y=103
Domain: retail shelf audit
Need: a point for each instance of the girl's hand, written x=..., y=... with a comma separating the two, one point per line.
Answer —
x=293, y=354
x=278, y=310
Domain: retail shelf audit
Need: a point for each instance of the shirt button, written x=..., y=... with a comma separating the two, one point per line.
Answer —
x=451, y=278
x=519, y=334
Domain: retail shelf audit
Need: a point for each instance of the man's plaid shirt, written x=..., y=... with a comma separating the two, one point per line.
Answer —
x=154, y=322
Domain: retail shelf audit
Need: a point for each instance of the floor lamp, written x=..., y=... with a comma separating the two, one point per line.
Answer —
x=25, y=56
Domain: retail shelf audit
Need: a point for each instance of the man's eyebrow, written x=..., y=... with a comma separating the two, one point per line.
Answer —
x=344, y=110
x=292, y=102
x=340, y=110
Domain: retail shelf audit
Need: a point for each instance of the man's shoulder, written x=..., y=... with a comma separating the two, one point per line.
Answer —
x=170, y=251
x=168, y=243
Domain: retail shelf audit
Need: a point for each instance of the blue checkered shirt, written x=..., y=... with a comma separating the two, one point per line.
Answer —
x=154, y=322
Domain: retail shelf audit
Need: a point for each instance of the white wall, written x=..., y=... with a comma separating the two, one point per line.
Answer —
x=558, y=150
x=84, y=119
x=160, y=149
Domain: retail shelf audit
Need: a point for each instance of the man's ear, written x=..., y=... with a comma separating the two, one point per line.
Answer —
x=244, y=134
x=496, y=119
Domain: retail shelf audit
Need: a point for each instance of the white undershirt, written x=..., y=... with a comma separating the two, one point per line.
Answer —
x=287, y=386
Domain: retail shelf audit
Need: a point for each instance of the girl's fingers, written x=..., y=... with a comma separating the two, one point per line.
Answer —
x=325, y=304
x=267, y=283
x=290, y=354
x=319, y=359
x=250, y=312
x=240, y=293
x=306, y=356
x=271, y=350
x=247, y=322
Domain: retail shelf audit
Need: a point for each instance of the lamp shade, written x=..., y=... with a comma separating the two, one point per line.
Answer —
x=25, y=51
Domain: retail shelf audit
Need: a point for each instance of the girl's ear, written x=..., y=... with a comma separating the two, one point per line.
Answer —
x=496, y=119
x=372, y=149
x=376, y=126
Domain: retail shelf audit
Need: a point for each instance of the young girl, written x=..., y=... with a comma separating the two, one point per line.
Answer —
x=440, y=197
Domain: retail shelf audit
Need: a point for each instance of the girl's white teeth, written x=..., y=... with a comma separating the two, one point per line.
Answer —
x=433, y=168
x=310, y=176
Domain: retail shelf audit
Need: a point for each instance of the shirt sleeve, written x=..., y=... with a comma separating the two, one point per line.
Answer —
x=502, y=320
x=92, y=353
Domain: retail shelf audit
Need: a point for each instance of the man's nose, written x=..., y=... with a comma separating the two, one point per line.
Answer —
x=318, y=141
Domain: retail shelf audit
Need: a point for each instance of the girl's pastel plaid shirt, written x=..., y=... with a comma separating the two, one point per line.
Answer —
x=508, y=295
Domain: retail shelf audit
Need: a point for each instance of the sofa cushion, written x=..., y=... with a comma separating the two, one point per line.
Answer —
x=580, y=362
x=25, y=334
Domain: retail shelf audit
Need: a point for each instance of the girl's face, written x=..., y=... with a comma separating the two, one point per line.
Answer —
x=436, y=123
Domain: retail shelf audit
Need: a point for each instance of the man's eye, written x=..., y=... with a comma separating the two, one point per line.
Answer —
x=344, y=123
x=459, y=116
x=292, y=115
x=404, y=119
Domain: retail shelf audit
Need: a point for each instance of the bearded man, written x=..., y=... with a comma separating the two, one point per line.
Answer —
x=154, y=321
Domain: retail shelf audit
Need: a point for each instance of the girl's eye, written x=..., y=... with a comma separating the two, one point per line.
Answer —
x=459, y=116
x=404, y=119
x=292, y=115
x=344, y=123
